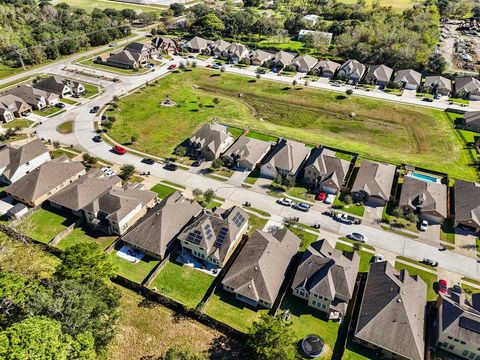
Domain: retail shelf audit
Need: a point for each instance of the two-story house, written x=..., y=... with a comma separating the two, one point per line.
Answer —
x=210, y=141
x=246, y=153
x=373, y=184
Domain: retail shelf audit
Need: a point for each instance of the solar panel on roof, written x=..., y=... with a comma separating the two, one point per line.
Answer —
x=222, y=235
x=195, y=237
x=469, y=324
x=239, y=219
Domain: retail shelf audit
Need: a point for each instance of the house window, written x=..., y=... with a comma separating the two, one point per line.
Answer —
x=450, y=338
x=465, y=352
x=302, y=293
x=324, y=306
x=451, y=347
x=472, y=355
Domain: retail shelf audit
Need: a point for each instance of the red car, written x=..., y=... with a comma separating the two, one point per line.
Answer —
x=171, y=67
x=321, y=196
x=442, y=286
x=119, y=150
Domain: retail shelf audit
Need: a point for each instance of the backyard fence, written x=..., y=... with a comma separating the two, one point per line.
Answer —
x=65, y=232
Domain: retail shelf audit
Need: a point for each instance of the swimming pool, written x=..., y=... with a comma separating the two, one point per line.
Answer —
x=424, y=177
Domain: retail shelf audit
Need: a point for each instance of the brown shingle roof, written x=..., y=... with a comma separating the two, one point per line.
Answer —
x=287, y=155
x=467, y=202
x=375, y=179
x=427, y=196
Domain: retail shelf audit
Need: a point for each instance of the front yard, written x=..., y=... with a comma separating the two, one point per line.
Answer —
x=306, y=237
x=163, y=190
x=84, y=235
x=429, y=278
x=43, y=225
x=223, y=307
x=182, y=283
x=306, y=320
x=49, y=111
x=21, y=123
x=256, y=223
x=365, y=257
x=354, y=209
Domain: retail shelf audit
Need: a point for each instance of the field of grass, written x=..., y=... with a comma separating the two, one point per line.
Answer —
x=396, y=4
x=357, y=210
x=66, y=127
x=149, y=329
x=306, y=321
x=89, y=5
x=136, y=272
x=43, y=225
x=429, y=278
x=380, y=131
x=223, y=307
x=182, y=284
x=83, y=235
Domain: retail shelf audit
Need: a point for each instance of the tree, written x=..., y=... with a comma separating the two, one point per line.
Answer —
x=270, y=338
x=397, y=212
x=348, y=199
x=177, y=9
x=216, y=101
x=85, y=261
x=56, y=145
x=349, y=92
x=133, y=139
x=183, y=353
x=209, y=25
x=412, y=217
x=126, y=172
x=217, y=163
x=294, y=82
x=208, y=195
x=252, y=3
x=436, y=63
x=180, y=151
x=258, y=76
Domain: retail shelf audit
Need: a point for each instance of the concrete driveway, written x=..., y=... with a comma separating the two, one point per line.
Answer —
x=373, y=215
x=432, y=234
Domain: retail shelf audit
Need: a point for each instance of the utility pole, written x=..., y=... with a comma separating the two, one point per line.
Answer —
x=21, y=60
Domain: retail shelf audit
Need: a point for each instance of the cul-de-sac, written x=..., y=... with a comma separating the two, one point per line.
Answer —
x=264, y=180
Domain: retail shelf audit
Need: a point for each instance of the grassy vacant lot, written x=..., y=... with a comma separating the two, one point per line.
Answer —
x=223, y=307
x=133, y=271
x=83, y=235
x=43, y=225
x=380, y=131
x=396, y=4
x=182, y=283
x=429, y=278
x=89, y=5
x=306, y=321
x=148, y=329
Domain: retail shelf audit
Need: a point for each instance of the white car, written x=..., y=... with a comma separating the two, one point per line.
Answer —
x=285, y=202
x=424, y=225
x=377, y=258
x=329, y=199
x=107, y=170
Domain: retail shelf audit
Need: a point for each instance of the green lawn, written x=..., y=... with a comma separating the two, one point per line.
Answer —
x=365, y=257
x=59, y=152
x=235, y=132
x=383, y=131
x=252, y=177
x=89, y=5
x=48, y=111
x=387, y=217
x=306, y=320
x=306, y=237
x=43, y=225
x=84, y=235
x=66, y=127
x=22, y=123
x=301, y=193
x=447, y=232
x=256, y=223
x=136, y=272
x=90, y=90
x=69, y=101
x=429, y=278
x=223, y=307
x=396, y=4
x=163, y=190
x=173, y=184
x=357, y=210
x=182, y=284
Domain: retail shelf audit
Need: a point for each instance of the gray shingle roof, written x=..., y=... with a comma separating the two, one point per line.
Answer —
x=472, y=118
x=162, y=223
x=327, y=65
x=331, y=170
x=287, y=155
x=45, y=178
x=468, y=84
x=439, y=81
x=220, y=45
x=408, y=76
x=326, y=271
x=12, y=158
x=84, y=190
x=284, y=57
x=197, y=43
x=54, y=83
x=13, y=103
x=261, y=55
x=353, y=68
x=392, y=312
x=210, y=224
x=248, y=150
x=125, y=57
x=467, y=202
x=29, y=94
x=375, y=179
x=305, y=61
x=379, y=73
x=210, y=136
x=259, y=269
x=429, y=197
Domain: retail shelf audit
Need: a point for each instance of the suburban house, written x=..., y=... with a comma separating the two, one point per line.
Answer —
x=286, y=159
x=165, y=45
x=214, y=235
x=12, y=106
x=324, y=171
x=83, y=191
x=219, y=48
x=320, y=37
x=210, y=141
x=379, y=75
x=467, y=204
x=438, y=85
x=373, y=183
x=259, y=57
x=352, y=71
x=16, y=162
x=428, y=199
x=236, y=52
x=259, y=270
x=60, y=85
x=282, y=59
x=311, y=19
x=326, y=68
x=326, y=277
x=117, y=209
x=197, y=44
x=155, y=233
x=392, y=313
x=36, y=98
x=246, y=153
x=45, y=181
x=410, y=79
x=123, y=59
x=305, y=63
x=471, y=121
x=467, y=87
x=458, y=324
x=146, y=50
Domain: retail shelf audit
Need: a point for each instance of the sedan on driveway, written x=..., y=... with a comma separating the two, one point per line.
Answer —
x=285, y=202
x=442, y=286
x=357, y=237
